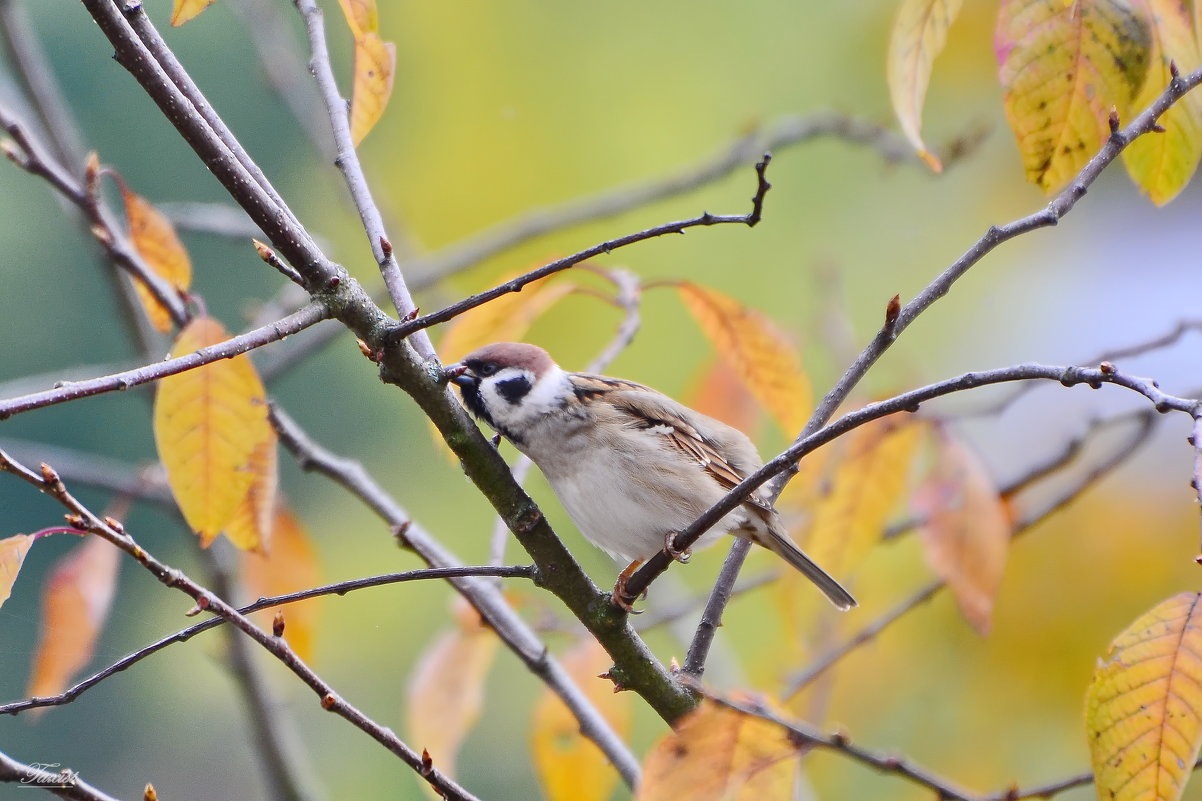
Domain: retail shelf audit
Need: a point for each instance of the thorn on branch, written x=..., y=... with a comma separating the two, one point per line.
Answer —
x=892, y=312
x=427, y=764
x=1113, y=120
x=277, y=623
x=400, y=534
x=1174, y=72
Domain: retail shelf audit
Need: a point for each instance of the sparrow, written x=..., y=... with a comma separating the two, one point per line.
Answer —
x=631, y=466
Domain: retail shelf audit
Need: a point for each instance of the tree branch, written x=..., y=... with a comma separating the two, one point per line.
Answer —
x=64, y=784
x=72, y=390
x=48, y=482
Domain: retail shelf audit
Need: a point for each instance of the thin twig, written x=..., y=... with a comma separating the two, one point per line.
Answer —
x=1061, y=205
x=48, y=482
x=348, y=162
x=806, y=735
x=744, y=151
x=339, y=588
x=515, y=285
x=481, y=593
x=72, y=390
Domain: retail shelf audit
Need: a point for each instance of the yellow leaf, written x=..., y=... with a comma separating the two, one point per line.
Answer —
x=867, y=484
x=186, y=10
x=75, y=604
x=250, y=528
x=208, y=423
x=965, y=530
x=506, y=319
x=1162, y=164
x=767, y=363
x=570, y=767
x=1143, y=704
x=446, y=690
x=12, y=555
x=375, y=65
x=919, y=34
x=154, y=237
x=1063, y=66
x=362, y=16
x=720, y=753
x=292, y=565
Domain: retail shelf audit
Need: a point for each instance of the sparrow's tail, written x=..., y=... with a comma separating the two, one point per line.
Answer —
x=784, y=547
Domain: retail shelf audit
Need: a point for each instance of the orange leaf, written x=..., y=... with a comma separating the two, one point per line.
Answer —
x=153, y=236
x=761, y=355
x=505, y=319
x=1162, y=164
x=1143, y=704
x=965, y=530
x=919, y=34
x=12, y=555
x=75, y=604
x=719, y=393
x=570, y=767
x=208, y=424
x=868, y=483
x=361, y=16
x=446, y=691
x=1063, y=66
x=375, y=65
x=251, y=526
x=291, y=565
x=720, y=753
x=186, y=10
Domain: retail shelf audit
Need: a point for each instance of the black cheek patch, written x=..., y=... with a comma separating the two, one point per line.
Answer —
x=514, y=389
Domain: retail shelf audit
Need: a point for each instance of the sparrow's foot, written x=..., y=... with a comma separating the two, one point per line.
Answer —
x=670, y=549
x=620, y=597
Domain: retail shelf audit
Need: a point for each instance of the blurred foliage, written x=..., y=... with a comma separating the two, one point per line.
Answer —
x=501, y=108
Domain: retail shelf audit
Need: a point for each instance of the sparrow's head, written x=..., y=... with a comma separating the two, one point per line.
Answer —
x=509, y=385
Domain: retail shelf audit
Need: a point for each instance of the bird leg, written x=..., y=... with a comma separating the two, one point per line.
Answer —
x=670, y=549
x=620, y=597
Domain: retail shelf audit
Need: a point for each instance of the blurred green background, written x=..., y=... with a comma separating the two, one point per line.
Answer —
x=502, y=108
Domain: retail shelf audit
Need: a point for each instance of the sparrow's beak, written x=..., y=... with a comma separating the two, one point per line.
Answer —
x=460, y=374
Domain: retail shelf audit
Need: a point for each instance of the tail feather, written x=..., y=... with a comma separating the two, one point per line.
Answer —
x=784, y=547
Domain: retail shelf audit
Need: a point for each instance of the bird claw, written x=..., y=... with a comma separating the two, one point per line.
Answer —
x=621, y=597
x=670, y=549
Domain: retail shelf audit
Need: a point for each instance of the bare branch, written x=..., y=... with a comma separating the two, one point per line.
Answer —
x=48, y=482
x=516, y=284
x=348, y=161
x=841, y=743
x=67, y=391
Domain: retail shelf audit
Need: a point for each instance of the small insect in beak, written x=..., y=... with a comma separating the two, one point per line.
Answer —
x=460, y=374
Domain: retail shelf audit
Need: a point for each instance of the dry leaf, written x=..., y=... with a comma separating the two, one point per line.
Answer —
x=760, y=354
x=446, y=690
x=918, y=36
x=1063, y=67
x=720, y=753
x=868, y=483
x=1142, y=706
x=12, y=555
x=362, y=16
x=965, y=529
x=290, y=566
x=76, y=600
x=250, y=528
x=375, y=66
x=1162, y=164
x=570, y=767
x=208, y=424
x=154, y=237
x=186, y=10
x=719, y=393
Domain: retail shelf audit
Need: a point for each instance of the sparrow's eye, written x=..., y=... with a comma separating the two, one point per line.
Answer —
x=486, y=369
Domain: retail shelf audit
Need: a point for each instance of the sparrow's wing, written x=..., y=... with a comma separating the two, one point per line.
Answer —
x=647, y=409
